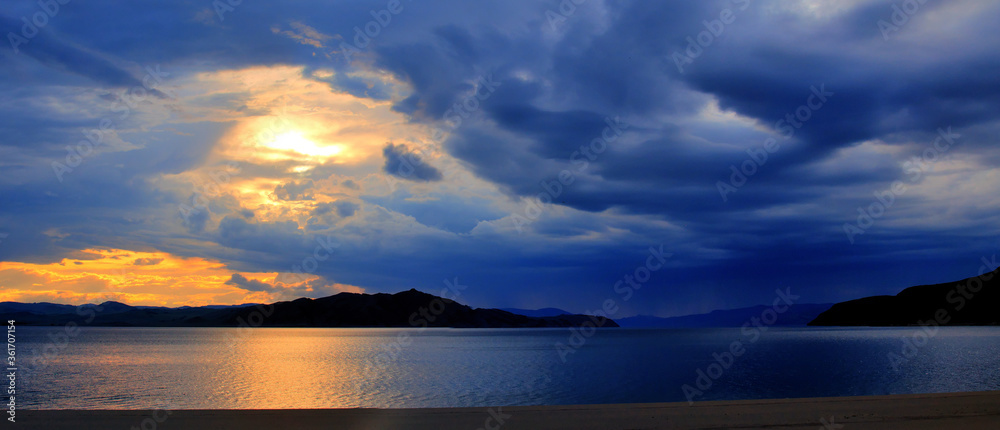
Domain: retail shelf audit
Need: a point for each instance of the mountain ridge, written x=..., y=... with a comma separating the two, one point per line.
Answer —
x=799, y=314
x=409, y=308
x=970, y=301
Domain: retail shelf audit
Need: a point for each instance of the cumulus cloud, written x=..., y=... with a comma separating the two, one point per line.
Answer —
x=313, y=288
x=342, y=208
x=294, y=191
x=147, y=261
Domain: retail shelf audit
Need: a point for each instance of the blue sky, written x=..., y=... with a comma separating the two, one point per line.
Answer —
x=534, y=150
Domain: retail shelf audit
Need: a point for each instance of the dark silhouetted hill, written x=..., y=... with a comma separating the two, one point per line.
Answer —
x=405, y=309
x=971, y=301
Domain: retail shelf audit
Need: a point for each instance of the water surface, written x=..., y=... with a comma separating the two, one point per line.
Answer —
x=186, y=368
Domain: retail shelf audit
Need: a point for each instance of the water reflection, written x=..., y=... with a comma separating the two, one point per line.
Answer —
x=147, y=368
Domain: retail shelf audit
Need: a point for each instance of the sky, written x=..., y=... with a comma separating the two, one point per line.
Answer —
x=673, y=156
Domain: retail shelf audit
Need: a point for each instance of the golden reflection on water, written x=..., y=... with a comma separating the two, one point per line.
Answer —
x=251, y=366
x=229, y=368
x=294, y=368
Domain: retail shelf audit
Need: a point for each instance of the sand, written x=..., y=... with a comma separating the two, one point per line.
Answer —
x=962, y=411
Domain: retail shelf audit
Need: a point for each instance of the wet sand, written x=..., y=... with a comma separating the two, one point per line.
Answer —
x=964, y=411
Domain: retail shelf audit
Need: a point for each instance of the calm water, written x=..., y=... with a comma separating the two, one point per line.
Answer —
x=146, y=368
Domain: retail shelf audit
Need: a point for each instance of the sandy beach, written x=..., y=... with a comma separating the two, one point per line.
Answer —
x=966, y=411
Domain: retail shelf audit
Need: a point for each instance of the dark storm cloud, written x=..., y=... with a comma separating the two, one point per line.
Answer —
x=561, y=82
x=402, y=163
x=768, y=65
x=48, y=50
x=627, y=70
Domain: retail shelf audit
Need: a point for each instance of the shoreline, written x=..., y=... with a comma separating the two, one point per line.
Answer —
x=968, y=411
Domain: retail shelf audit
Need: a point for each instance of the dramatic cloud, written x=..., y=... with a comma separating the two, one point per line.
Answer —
x=342, y=209
x=402, y=163
x=147, y=261
x=294, y=191
x=249, y=284
x=536, y=152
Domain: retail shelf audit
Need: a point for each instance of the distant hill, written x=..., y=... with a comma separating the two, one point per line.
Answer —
x=796, y=315
x=537, y=313
x=405, y=309
x=36, y=308
x=958, y=303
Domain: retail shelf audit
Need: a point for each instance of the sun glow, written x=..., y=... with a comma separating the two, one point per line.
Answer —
x=152, y=278
x=296, y=142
